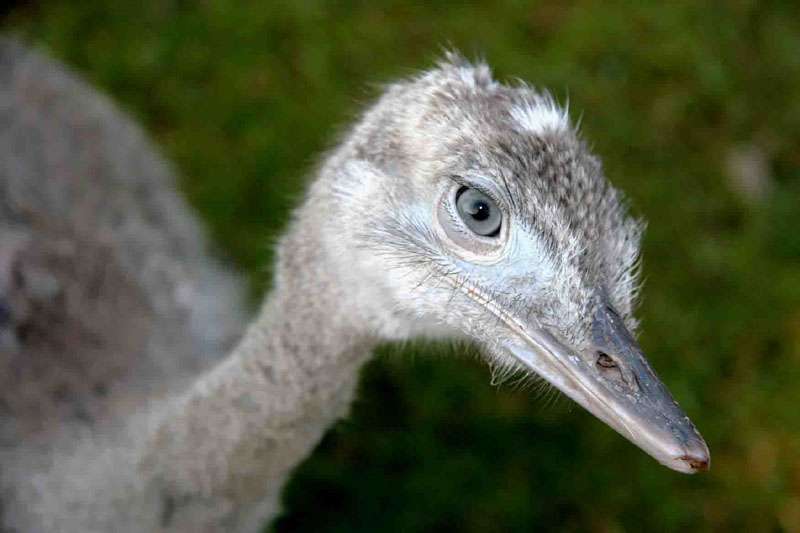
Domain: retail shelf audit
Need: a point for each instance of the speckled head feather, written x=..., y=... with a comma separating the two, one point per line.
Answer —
x=456, y=121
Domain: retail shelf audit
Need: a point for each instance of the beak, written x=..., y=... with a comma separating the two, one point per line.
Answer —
x=614, y=381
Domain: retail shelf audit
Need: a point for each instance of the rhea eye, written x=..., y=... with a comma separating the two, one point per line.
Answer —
x=479, y=212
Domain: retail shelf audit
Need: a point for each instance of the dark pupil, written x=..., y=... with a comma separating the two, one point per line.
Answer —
x=479, y=210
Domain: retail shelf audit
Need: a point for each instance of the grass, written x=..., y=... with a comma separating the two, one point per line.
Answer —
x=243, y=96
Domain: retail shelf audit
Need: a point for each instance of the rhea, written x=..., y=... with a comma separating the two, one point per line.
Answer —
x=457, y=207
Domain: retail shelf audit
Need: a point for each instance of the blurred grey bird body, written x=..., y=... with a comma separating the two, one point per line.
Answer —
x=179, y=435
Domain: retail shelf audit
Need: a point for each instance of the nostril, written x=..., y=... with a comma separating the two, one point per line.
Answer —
x=605, y=361
x=611, y=370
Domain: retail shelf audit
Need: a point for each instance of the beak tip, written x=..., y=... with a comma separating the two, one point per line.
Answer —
x=696, y=463
x=695, y=459
x=687, y=456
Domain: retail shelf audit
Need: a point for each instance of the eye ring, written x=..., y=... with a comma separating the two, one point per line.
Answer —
x=479, y=212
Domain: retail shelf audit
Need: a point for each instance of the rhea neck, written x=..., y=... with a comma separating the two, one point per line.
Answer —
x=233, y=437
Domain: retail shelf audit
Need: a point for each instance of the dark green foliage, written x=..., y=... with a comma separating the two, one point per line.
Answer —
x=245, y=95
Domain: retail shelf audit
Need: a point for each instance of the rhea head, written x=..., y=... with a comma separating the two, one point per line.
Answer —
x=472, y=209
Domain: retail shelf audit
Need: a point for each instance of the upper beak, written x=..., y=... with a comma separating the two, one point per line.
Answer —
x=614, y=381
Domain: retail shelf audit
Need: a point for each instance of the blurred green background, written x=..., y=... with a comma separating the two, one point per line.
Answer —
x=695, y=109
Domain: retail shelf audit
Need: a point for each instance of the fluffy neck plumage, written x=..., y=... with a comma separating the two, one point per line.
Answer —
x=214, y=455
x=220, y=454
